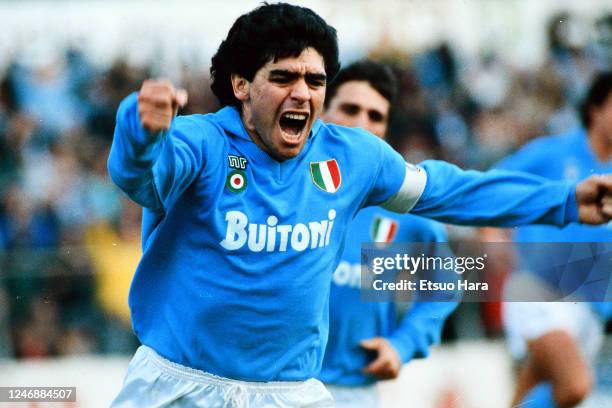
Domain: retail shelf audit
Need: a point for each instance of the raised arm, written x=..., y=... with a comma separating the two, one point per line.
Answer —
x=154, y=156
x=500, y=198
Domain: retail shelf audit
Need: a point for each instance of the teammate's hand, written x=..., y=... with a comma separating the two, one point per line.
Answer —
x=387, y=364
x=158, y=102
x=594, y=197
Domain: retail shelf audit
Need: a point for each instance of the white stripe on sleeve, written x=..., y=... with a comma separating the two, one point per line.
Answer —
x=409, y=193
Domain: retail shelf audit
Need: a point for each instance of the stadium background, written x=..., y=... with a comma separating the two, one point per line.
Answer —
x=479, y=78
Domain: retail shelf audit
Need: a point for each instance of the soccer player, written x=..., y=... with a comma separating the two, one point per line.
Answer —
x=245, y=213
x=556, y=342
x=365, y=342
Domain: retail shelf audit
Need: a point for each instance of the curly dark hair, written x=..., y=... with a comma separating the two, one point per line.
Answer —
x=380, y=77
x=598, y=93
x=270, y=32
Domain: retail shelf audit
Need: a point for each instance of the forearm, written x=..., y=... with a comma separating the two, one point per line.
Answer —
x=420, y=329
x=495, y=198
x=132, y=156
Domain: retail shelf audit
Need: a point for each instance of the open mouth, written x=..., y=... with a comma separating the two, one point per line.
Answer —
x=292, y=124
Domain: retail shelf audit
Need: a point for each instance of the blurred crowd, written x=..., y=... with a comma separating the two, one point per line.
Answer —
x=69, y=239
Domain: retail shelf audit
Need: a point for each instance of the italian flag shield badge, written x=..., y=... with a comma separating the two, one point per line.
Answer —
x=383, y=229
x=326, y=175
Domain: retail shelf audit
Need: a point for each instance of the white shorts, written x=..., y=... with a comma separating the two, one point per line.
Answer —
x=525, y=321
x=355, y=397
x=154, y=382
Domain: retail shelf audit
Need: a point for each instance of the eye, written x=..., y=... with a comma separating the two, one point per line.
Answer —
x=316, y=80
x=316, y=83
x=349, y=109
x=280, y=79
x=375, y=116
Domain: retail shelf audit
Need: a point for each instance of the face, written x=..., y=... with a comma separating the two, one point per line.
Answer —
x=601, y=120
x=358, y=104
x=282, y=102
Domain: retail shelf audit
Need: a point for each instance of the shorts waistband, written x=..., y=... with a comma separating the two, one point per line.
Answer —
x=192, y=374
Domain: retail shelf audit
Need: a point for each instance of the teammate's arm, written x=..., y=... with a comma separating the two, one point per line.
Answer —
x=153, y=158
x=421, y=327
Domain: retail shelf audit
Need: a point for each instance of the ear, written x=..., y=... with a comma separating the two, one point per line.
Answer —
x=241, y=86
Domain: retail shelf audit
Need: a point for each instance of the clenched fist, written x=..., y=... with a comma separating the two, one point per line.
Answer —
x=594, y=196
x=158, y=102
x=387, y=364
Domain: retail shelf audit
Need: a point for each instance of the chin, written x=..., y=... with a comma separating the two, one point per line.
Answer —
x=289, y=150
x=289, y=153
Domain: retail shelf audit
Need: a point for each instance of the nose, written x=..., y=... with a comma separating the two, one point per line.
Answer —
x=363, y=121
x=300, y=91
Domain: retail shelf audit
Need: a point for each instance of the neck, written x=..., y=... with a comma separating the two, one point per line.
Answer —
x=247, y=121
x=601, y=145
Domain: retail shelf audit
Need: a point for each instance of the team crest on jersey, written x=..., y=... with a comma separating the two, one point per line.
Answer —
x=237, y=162
x=236, y=181
x=326, y=175
x=383, y=229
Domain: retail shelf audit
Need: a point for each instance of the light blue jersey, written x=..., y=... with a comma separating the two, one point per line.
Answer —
x=562, y=157
x=353, y=320
x=239, y=249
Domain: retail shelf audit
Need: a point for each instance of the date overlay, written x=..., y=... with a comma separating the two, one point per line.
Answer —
x=37, y=394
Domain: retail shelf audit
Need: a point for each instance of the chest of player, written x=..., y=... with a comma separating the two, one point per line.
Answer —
x=262, y=205
x=574, y=161
x=579, y=168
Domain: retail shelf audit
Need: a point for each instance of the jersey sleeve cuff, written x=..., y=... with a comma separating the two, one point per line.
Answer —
x=129, y=117
x=571, y=207
x=405, y=348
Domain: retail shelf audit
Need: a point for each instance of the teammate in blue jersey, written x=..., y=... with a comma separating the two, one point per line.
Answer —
x=365, y=342
x=245, y=215
x=556, y=342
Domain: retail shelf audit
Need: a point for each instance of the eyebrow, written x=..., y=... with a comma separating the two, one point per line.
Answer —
x=294, y=75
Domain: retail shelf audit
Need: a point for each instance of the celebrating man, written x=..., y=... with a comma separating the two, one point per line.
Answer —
x=245, y=214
